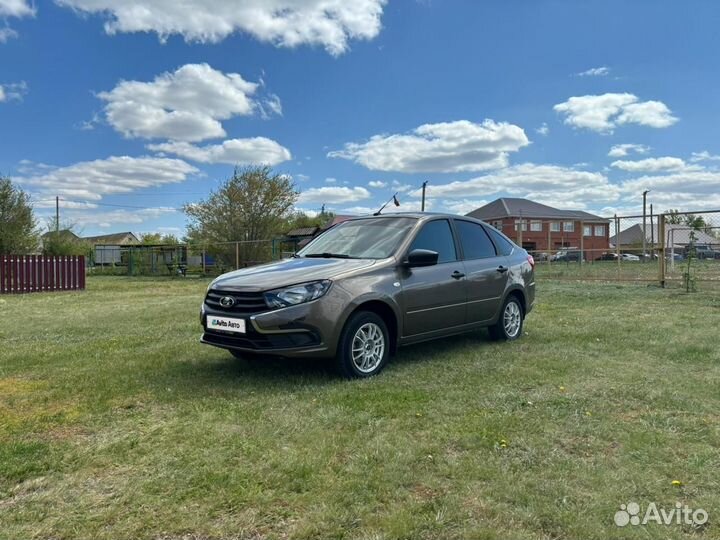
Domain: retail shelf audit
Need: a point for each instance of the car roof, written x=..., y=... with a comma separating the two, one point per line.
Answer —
x=417, y=215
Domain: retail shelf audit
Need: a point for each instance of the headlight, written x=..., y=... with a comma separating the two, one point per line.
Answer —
x=297, y=294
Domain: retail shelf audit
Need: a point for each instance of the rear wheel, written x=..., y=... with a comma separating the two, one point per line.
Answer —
x=364, y=346
x=510, y=323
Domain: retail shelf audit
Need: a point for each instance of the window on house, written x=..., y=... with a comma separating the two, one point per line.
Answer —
x=568, y=226
x=599, y=230
x=587, y=230
x=497, y=225
x=536, y=226
x=521, y=224
x=555, y=226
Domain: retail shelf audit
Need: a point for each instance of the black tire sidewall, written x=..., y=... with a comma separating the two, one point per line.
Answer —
x=344, y=362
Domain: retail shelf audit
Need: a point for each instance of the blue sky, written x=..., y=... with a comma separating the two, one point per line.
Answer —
x=129, y=108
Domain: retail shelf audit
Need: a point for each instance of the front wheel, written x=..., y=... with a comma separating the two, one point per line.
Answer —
x=510, y=323
x=364, y=346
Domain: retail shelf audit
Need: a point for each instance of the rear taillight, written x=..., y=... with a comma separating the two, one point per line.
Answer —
x=531, y=261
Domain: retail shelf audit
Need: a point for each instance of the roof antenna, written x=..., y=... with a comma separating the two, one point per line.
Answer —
x=393, y=199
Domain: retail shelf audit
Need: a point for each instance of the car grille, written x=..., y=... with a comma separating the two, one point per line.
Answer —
x=246, y=303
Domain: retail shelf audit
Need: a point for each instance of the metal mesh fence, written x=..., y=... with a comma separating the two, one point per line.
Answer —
x=671, y=250
x=667, y=249
x=212, y=258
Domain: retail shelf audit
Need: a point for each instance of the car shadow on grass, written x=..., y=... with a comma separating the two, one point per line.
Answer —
x=221, y=369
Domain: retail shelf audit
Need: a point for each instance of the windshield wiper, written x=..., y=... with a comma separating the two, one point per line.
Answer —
x=326, y=255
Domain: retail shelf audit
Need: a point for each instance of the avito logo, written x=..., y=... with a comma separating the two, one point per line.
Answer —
x=630, y=514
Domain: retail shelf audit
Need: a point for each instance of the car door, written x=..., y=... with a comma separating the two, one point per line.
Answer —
x=486, y=271
x=434, y=296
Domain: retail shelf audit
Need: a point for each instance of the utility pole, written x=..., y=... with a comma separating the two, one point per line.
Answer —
x=644, y=233
x=652, y=229
x=422, y=207
x=57, y=215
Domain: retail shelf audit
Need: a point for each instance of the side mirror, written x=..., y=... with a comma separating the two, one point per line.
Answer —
x=422, y=257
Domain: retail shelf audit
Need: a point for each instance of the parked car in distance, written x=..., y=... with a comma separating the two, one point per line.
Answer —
x=369, y=285
x=566, y=255
x=704, y=252
x=674, y=256
x=607, y=257
x=629, y=257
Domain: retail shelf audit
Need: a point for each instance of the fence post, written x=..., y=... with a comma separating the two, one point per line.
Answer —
x=582, y=242
x=549, y=244
x=237, y=255
x=617, y=242
x=663, y=243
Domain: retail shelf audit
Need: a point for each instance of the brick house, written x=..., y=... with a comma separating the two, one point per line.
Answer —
x=544, y=229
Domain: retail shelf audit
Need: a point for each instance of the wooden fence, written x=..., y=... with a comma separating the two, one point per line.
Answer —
x=37, y=273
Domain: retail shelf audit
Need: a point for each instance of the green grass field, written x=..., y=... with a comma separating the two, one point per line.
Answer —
x=116, y=423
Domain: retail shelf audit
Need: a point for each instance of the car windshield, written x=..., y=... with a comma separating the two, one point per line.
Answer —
x=360, y=239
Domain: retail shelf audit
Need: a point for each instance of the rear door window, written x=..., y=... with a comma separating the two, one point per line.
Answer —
x=476, y=244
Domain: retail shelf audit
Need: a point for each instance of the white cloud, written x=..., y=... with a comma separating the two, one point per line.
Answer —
x=605, y=112
x=686, y=190
x=622, y=150
x=285, y=23
x=6, y=34
x=331, y=180
x=463, y=206
x=357, y=210
x=257, y=150
x=651, y=164
x=595, y=72
x=445, y=147
x=543, y=130
x=13, y=91
x=405, y=206
x=108, y=218
x=187, y=104
x=308, y=212
x=334, y=194
x=377, y=184
x=704, y=156
x=548, y=184
x=16, y=8
x=93, y=179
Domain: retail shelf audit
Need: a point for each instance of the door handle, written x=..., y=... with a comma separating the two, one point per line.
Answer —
x=457, y=275
x=502, y=269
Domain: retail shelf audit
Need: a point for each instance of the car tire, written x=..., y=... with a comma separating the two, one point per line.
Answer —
x=364, y=346
x=509, y=325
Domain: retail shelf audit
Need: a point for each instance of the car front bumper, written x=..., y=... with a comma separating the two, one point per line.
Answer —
x=293, y=332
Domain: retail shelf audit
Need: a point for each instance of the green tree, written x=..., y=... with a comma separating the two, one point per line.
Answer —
x=159, y=239
x=18, y=228
x=673, y=217
x=252, y=206
x=61, y=243
x=696, y=222
x=300, y=220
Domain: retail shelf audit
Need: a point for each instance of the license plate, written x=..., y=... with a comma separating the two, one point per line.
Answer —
x=225, y=324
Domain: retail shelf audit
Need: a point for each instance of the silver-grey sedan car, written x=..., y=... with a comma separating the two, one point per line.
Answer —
x=368, y=285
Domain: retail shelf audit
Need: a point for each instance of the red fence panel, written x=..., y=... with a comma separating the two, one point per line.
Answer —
x=35, y=273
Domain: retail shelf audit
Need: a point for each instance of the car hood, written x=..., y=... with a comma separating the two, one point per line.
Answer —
x=287, y=272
